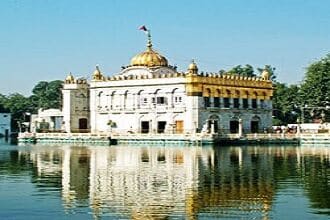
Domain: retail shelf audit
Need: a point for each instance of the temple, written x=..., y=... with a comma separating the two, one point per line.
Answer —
x=151, y=96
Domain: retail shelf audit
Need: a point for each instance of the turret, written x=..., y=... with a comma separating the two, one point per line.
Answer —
x=192, y=68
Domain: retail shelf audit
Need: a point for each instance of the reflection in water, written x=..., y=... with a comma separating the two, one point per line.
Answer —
x=175, y=182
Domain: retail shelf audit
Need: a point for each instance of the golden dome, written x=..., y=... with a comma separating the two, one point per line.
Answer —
x=149, y=58
x=69, y=79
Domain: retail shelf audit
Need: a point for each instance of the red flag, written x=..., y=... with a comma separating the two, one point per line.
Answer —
x=143, y=28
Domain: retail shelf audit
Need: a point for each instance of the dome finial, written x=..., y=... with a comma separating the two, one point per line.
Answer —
x=149, y=44
x=147, y=31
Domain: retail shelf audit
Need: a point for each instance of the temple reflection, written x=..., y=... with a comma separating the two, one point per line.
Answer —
x=164, y=182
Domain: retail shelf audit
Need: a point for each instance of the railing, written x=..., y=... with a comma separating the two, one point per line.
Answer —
x=126, y=134
x=315, y=135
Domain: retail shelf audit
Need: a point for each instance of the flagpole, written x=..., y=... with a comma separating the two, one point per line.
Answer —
x=149, y=44
x=147, y=31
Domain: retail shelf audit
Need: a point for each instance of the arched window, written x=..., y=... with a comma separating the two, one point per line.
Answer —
x=139, y=98
x=207, y=95
x=125, y=99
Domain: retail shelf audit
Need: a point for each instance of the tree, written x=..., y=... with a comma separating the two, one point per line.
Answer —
x=3, y=100
x=315, y=89
x=285, y=104
x=47, y=95
x=246, y=70
x=18, y=105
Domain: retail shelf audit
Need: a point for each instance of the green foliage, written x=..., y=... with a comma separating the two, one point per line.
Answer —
x=246, y=70
x=112, y=124
x=315, y=89
x=3, y=100
x=286, y=103
x=17, y=105
x=290, y=101
x=47, y=94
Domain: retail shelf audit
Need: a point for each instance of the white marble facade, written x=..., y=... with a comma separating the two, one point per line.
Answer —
x=150, y=96
x=156, y=105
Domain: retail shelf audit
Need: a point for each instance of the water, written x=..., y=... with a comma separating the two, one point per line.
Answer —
x=141, y=182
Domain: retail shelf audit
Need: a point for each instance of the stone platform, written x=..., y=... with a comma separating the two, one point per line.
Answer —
x=167, y=139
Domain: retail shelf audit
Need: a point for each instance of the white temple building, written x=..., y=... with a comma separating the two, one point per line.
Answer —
x=151, y=96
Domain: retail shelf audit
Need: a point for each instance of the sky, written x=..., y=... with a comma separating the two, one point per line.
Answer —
x=44, y=40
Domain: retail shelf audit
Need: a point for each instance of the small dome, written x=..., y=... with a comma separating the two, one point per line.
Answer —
x=97, y=75
x=97, y=71
x=69, y=79
x=265, y=75
x=192, y=66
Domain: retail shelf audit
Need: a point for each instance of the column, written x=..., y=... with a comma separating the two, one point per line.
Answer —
x=240, y=128
x=211, y=101
x=212, y=126
x=240, y=101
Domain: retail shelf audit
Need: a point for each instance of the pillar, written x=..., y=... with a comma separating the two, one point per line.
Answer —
x=240, y=128
x=212, y=126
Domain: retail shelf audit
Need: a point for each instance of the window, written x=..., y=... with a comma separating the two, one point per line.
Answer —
x=245, y=103
x=207, y=102
x=161, y=100
x=145, y=101
x=236, y=103
x=254, y=103
x=262, y=103
x=216, y=102
x=226, y=103
x=178, y=99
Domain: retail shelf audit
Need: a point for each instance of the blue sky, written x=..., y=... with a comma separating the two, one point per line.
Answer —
x=47, y=39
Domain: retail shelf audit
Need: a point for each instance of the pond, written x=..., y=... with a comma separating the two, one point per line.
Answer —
x=164, y=182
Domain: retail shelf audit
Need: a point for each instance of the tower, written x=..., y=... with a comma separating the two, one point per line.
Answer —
x=76, y=114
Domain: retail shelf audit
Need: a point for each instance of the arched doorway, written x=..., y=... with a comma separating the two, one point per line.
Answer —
x=255, y=124
x=234, y=125
x=213, y=124
x=83, y=124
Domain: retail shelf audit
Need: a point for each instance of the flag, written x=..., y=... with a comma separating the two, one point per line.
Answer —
x=143, y=28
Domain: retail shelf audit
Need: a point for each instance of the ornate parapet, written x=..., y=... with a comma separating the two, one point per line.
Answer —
x=232, y=86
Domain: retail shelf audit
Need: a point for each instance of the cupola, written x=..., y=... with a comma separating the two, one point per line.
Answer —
x=149, y=58
x=69, y=79
x=192, y=68
x=97, y=75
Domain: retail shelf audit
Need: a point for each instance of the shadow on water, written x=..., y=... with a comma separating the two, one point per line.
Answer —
x=142, y=182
